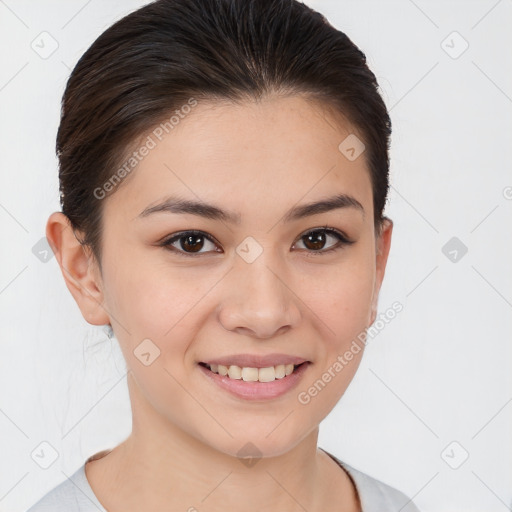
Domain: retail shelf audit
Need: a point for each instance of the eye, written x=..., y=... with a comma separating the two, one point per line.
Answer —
x=189, y=243
x=315, y=240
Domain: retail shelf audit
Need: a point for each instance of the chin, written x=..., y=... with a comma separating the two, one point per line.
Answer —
x=257, y=442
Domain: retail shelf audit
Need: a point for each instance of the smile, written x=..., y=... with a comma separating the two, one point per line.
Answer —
x=249, y=374
x=254, y=383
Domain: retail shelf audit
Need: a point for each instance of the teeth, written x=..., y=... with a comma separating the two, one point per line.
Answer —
x=280, y=371
x=235, y=372
x=266, y=374
x=249, y=374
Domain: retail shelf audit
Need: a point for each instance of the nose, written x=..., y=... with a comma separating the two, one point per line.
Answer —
x=257, y=301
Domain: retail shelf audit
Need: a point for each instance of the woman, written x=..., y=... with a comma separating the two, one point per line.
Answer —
x=223, y=175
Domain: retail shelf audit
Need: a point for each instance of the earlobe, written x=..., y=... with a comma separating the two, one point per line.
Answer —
x=383, y=244
x=78, y=268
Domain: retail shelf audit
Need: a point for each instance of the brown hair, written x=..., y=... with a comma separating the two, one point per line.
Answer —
x=157, y=58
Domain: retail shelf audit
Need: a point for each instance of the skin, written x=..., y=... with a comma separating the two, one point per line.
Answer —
x=259, y=160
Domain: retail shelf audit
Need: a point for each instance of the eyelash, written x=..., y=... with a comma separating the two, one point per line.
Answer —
x=342, y=241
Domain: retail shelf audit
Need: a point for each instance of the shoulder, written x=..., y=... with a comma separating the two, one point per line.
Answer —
x=375, y=495
x=72, y=495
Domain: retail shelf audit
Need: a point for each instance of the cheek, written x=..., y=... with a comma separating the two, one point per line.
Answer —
x=344, y=309
x=341, y=296
x=166, y=306
x=152, y=299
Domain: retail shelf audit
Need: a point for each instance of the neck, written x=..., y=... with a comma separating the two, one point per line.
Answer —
x=160, y=465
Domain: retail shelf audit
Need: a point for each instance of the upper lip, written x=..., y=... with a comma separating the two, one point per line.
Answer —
x=256, y=361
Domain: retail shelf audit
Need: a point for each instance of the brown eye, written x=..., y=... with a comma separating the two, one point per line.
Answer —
x=188, y=243
x=193, y=243
x=316, y=239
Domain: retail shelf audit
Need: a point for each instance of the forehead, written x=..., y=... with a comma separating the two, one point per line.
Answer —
x=253, y=155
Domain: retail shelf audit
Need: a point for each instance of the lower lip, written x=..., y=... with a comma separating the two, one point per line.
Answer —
x=257, y=390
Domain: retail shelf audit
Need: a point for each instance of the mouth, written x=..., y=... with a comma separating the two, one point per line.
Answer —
x=254, y=383
x=253, y=374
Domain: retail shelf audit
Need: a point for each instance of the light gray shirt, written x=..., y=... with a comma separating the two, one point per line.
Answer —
x=75, y=494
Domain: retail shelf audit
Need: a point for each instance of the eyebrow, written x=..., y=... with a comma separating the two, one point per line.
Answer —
x=211, y=211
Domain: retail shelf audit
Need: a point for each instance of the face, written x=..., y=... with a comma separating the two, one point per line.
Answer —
x=267, y=283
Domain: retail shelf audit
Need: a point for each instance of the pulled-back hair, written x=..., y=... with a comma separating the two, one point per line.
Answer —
x=156, y=59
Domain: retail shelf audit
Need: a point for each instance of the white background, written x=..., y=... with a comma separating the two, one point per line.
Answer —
x=439, y=372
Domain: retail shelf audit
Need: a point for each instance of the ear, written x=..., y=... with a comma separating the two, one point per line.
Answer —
x=383, y=243
x=79, y=268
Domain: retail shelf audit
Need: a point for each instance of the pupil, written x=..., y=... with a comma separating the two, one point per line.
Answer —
x=190, y=241
x=194, y=243
x=317, y=238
